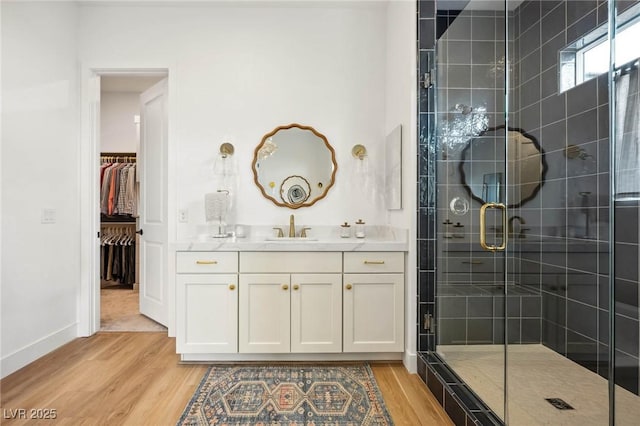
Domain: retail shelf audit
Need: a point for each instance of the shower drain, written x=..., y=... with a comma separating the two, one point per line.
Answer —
x=559, y=403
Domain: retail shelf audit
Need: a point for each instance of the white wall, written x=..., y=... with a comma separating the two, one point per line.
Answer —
x=401, y=108
x=40, y=263
x=118, y=131
x=240, y=72
x=237, y=73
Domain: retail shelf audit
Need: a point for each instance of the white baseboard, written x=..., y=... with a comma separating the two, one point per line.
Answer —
x=410, y=361
x=338, y=356
x=31, y=352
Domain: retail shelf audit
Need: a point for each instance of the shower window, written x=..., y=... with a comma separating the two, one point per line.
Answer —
x=588, y=57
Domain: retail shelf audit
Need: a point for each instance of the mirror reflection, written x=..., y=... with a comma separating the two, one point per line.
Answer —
x=482, y=166
x=294, y=166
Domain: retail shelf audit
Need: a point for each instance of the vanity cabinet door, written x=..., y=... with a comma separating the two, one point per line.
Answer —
x=373, y=312
x=316, y=313
x=207, y=313
x=264, y=318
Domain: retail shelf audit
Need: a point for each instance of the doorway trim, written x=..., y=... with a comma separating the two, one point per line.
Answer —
x=89, y=150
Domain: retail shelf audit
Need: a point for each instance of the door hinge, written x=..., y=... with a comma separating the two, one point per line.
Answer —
x=429, y=79
x=428, y=322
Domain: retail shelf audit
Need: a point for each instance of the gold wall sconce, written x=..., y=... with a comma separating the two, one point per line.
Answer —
x=574, y=151
x=226, y=149
x=359, y=151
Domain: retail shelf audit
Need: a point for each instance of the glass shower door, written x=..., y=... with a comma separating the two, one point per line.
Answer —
x=625, y=199
x=537, y=147
x=560, y=249
x=472, y=195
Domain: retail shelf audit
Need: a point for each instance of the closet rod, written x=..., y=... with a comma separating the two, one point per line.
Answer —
x=117, y=154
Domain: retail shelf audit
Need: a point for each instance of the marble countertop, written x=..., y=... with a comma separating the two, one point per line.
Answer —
x=321, y=239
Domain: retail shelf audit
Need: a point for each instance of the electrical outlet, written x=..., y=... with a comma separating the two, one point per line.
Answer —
x=48, y=216
x=183, y=215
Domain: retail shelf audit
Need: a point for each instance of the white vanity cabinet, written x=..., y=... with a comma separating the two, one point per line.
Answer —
x=207, y=302
x=373, y=302
x=289, y=305
x=290, y=302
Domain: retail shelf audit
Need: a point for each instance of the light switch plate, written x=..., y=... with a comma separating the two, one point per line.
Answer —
x=48, y=216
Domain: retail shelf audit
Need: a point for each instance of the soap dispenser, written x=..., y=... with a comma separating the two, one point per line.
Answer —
x=360, y=229
x=345, y=230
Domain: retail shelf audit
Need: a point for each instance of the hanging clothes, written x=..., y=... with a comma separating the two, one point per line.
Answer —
x=118, y=254
x=118, y=188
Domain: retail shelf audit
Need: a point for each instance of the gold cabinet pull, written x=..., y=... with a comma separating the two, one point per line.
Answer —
x=285, y=287
x=374, y=262
x=232, y=287
x=206, y=262
x=483, y=226
x=296, y=286
x=348, y=286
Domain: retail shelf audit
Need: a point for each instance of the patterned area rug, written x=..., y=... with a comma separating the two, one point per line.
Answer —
x=292, y=395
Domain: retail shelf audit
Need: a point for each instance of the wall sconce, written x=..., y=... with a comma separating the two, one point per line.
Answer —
x=359, y=151
x=224, y=164
x=226, y=149
x=360, y=171
x=574, y=151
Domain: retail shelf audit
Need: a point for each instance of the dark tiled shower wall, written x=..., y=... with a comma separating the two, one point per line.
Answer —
x=426, y=177
x=570, y=215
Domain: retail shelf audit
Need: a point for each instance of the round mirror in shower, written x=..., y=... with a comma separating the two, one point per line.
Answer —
x=483, y=169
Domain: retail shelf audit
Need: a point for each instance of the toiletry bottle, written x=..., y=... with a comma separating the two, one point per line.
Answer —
x=360, y=229
x=345, y=230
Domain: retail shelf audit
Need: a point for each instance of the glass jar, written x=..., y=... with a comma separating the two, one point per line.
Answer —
x=345, y=230
x=359, y=229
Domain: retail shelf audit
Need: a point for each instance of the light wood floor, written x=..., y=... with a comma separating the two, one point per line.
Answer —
x=135, y=379
x=120, y=311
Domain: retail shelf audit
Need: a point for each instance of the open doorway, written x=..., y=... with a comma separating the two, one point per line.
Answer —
x=120, y=194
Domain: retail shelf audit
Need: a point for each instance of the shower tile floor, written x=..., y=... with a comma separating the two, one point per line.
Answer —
x=535, y=373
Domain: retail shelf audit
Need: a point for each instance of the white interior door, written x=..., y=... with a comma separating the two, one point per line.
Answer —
x=154, y=300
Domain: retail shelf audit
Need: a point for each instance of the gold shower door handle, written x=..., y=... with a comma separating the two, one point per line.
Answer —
x=483, y=226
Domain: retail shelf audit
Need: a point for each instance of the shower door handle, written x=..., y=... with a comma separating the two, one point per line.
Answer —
x=483, y=226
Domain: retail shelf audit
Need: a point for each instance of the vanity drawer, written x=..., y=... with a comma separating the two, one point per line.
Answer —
x=290, y=262
x=364, y=262
x=201, y=262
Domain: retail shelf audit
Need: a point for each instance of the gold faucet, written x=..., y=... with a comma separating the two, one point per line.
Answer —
x=522, y=222
x=292, y=227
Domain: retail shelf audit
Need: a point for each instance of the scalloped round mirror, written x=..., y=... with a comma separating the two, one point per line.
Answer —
x=482, y=166
x=294, y=166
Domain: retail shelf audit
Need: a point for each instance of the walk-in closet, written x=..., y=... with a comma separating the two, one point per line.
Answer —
x=119, y=195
